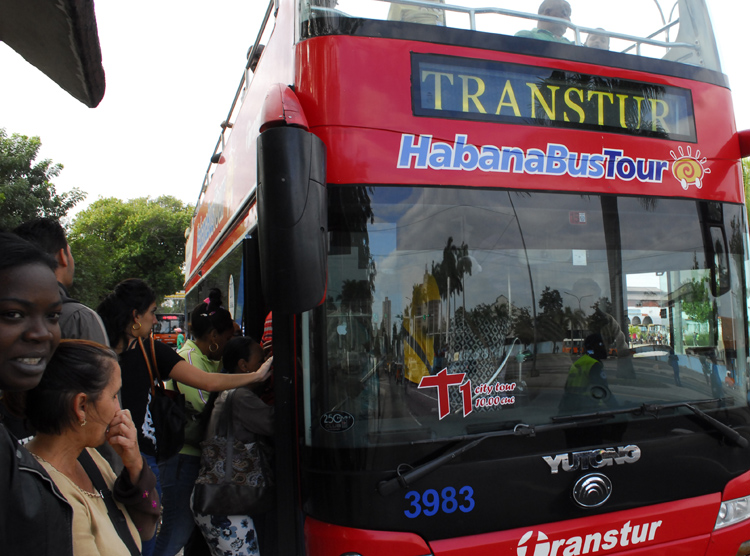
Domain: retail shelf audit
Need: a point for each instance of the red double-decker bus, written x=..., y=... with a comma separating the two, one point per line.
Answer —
x=430, y=197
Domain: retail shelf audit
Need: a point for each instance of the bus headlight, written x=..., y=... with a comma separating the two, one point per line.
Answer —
x=733, y=511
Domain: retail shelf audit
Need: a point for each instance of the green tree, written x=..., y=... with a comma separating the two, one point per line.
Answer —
x=26, y=189
x=356, y=296
x=449, y=273
x=141, y=238
x=523, y=325
x=552, y=320
x=696, y=304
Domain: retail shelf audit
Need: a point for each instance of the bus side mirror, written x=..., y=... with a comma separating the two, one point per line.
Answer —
x=292, y=218
x=719, y=261
x=715, y=247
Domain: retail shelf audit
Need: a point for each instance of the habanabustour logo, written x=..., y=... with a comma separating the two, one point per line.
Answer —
x=537, y=543
x=421, y=152
x=688, y=169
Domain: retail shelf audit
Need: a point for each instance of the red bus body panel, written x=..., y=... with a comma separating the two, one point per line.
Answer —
x=324, y=539
x=675, y=528
x=234, y=180
x=367, y=141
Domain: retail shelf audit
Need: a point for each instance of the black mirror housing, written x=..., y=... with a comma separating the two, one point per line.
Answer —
x=292, y=218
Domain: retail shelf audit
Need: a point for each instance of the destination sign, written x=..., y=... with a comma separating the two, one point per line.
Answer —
x=483, y=90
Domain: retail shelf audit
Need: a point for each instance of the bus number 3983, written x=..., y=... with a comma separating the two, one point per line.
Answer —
x=430, y=502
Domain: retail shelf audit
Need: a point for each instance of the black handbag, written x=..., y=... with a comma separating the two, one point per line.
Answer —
x=167, y=408
x=248, y=487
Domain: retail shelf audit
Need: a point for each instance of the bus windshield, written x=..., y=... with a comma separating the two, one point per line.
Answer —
x=434, y=289
x=677, y=31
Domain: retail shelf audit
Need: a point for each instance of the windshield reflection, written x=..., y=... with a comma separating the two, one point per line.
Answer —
x=452, y=311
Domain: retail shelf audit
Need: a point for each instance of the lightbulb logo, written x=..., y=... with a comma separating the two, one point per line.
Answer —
x=688, y=169
x=540, y=544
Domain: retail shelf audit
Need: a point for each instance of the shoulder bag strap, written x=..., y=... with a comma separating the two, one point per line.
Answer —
x=119, y=521
x=226, y=421
x=153, y=360
x=148, y=366
x=154, y=366
x=224, y=424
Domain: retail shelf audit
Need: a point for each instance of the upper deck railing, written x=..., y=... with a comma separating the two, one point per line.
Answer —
x=227, y=123
x=473, y=12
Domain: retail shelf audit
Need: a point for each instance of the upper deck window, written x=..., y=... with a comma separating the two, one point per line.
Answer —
x=678, y=31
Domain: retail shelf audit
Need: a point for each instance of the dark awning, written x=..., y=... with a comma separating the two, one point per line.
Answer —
x=60, y=38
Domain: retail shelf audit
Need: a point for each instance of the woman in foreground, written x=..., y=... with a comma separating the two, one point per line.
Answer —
x=75, y=408
x=35, y=518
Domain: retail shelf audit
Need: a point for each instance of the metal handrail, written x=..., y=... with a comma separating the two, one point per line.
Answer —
x=577, y=29
x=226, y=124
x=666, y=27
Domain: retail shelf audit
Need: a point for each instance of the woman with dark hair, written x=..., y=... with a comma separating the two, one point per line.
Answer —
x=35, y=518
x=75, y=408
x=129, y=315
x=212, y=327
x=251, y=420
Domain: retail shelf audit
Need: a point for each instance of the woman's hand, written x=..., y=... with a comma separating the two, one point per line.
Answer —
x=264, y=371
x=123, y=437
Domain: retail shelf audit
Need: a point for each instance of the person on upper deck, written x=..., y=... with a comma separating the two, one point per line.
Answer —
x=595, y=40
x=550, y=30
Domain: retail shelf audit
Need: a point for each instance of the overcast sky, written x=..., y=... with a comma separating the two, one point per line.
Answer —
x=172, y=69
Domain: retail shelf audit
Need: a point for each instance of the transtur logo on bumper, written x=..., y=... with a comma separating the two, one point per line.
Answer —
x=590, y=544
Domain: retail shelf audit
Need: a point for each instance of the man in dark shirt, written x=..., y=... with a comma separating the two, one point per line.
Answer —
x=76, y=320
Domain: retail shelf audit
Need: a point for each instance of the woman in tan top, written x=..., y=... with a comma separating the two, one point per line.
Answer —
x=75, y=408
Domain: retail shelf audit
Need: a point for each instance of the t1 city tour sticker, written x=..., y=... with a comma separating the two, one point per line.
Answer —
x=484, y=395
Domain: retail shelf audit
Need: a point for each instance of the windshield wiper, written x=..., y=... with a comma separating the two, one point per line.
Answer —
x=654, y=410
x=406, y=475
x=728, y=432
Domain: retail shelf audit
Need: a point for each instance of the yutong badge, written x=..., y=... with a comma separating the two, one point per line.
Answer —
x=592, y=490
x=594, y=459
